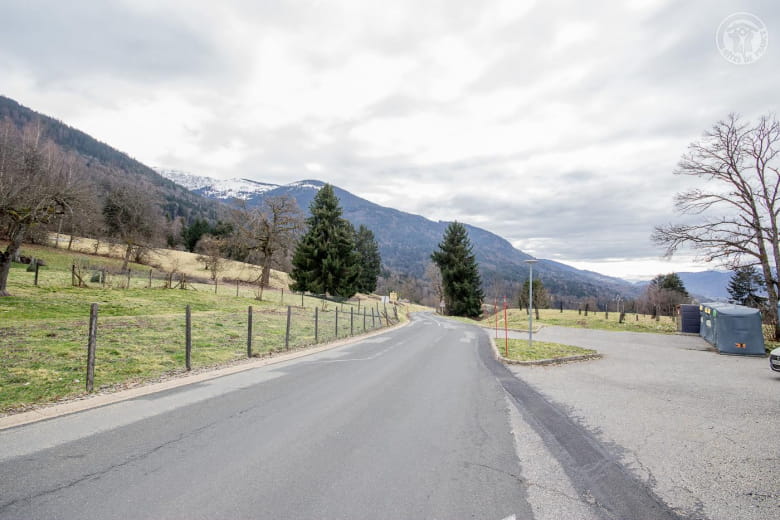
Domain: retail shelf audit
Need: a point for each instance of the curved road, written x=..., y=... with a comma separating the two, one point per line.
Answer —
x=417, y=423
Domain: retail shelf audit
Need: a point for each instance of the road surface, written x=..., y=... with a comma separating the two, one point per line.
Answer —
x=417, y=423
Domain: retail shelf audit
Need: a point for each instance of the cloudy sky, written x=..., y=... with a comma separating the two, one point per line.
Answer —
x=555, y=124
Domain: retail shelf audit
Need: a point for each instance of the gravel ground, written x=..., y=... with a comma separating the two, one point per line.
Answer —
x=702, y=429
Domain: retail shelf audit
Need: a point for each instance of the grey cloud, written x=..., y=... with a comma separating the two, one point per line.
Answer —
x=68, y=41
x=659, y=84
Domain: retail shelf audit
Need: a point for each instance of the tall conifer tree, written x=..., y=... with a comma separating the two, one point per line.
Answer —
x=370, y=260
x=745, y=285
x=325, y=261
x=463, y=294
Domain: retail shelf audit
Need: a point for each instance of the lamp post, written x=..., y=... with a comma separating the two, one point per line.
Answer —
x=530, y=301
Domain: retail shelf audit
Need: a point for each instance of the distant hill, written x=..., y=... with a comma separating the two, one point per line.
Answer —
x=106, y=165
x=407, y=240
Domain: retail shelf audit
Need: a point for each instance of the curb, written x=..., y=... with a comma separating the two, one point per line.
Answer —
x=541, y=362
x=96, y=400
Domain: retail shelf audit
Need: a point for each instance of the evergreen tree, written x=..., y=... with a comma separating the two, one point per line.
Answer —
x=463, y=294
x=670, y=282
x=192, y=233
x=744, y=286
x=325, y=261
x=199, y=227
x=370, y=261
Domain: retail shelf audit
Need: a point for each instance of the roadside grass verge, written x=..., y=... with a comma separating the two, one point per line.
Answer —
x=519, y=350
x=140, y=338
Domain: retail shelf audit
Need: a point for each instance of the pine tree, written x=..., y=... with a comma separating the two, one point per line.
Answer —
x=370, y=261
x=325, y=261
x=744, y=286
x=463, y=294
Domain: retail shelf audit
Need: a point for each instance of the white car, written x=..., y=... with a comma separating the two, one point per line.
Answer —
x=774, y=360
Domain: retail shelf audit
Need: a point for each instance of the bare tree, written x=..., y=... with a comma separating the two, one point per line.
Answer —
x=433, y=275
x=211, y=251
x=132, y=218
x=37, y=184
x=740, y=163
x=268, y=232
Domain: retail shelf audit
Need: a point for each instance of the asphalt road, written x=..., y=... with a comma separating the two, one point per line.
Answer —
x=418, y=423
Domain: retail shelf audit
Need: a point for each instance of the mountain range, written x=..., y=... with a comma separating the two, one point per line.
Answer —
x=407, y=240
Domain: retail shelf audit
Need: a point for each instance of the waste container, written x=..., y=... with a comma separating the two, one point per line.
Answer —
x=732, y=329
x=688, y=319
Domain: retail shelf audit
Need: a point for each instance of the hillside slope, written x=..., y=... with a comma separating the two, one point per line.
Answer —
x=106, y=166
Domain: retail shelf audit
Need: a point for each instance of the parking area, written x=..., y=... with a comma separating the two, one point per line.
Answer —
x=702, y=429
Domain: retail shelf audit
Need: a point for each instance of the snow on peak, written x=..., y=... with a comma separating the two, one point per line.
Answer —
x=317, y=185
x=217, y=188
x=235, y=188
x=188, y=180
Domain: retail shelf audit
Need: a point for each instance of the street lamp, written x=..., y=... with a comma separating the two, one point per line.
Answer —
x=530, y=301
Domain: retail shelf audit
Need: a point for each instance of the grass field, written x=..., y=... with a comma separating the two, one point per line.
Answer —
x=167, y=260
x=43, y=330
x=517, y=319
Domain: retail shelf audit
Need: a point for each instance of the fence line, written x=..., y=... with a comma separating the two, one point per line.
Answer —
x=302, y=328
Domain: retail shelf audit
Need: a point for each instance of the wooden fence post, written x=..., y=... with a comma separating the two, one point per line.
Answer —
x=92, y=347
x=364, y=318
x=373, y=319
x=287, y=331
x=188, y=339
x=150, y=278
x=316, y=325
x=37, y=266
x=282, y=295
x=236, y=288
x=249, y=333
x=302, y=307
x=337, y=323
x=351, y=321
x=73, y=275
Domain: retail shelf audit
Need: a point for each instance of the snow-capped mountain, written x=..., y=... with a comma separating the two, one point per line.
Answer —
x=217, y=188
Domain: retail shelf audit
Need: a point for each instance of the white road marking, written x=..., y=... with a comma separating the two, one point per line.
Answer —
x=468, y=338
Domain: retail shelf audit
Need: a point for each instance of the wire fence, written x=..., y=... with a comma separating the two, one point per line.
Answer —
x=162, y=344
